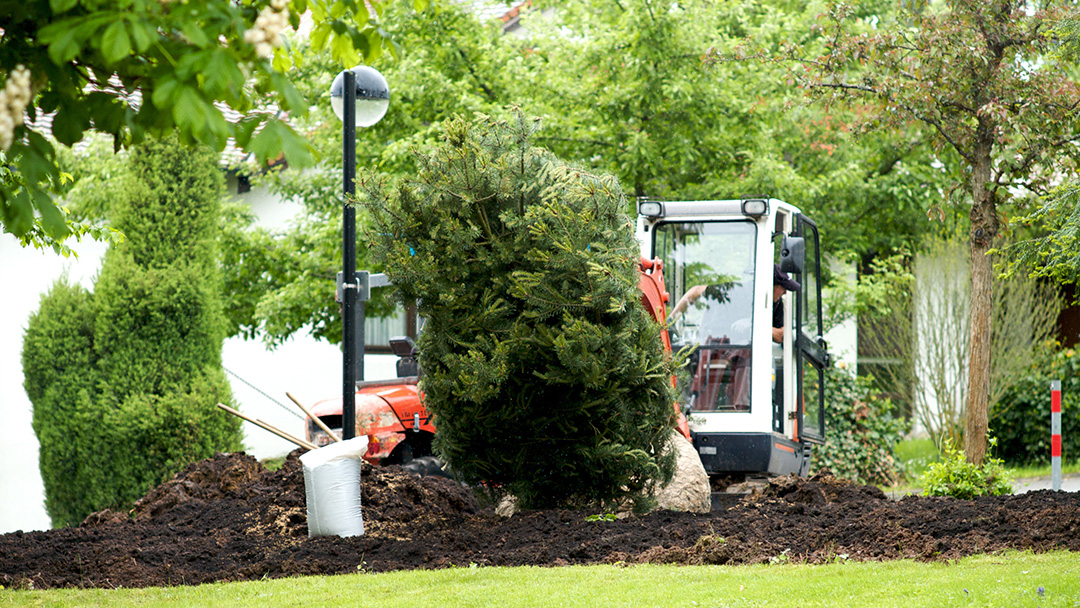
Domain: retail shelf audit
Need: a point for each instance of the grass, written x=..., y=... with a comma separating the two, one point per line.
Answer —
x=1067, y=468
x=273, y=464
x=917, y=455
x=1012, y=579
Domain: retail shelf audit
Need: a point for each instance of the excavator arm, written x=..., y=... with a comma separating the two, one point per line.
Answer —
x=655, y=297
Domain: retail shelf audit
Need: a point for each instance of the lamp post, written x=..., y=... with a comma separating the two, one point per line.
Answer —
x=359, y=97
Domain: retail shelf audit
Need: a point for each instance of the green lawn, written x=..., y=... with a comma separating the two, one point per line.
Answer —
x=1067, y=468
x=1011, y=580
x=917, y=455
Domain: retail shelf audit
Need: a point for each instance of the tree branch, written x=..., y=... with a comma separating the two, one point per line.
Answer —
x=595, y=142
x=472, y=72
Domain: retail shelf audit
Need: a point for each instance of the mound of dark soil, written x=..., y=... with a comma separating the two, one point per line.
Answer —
x=227, y=518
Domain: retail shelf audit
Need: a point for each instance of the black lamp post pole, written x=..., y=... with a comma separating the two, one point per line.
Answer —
x=349, y=287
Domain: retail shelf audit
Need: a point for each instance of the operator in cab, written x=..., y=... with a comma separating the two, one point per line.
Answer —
x=782, y=283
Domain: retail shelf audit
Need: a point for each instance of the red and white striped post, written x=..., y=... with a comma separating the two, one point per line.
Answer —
x=1055, y=434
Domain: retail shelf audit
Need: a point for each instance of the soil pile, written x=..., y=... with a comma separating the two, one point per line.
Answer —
x=227, y=518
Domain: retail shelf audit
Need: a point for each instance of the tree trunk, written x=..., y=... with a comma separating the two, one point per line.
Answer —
x=984, y=228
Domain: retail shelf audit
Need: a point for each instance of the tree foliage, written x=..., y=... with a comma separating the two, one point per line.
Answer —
x=622, y=89
x=142, y=68
x=547, y=379
x=124, y=381
x=280, y=283
x=983, y=79
x=1053, y=251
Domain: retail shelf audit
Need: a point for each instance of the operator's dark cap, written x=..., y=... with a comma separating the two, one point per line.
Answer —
x=782, y=279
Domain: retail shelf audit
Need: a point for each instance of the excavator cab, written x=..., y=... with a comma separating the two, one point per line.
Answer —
x=735, y=270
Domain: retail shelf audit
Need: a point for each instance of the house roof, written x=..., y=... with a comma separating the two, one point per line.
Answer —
x=506, y=11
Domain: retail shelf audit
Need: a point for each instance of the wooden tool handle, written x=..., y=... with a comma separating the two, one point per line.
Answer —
x=270, y=427
x=318, y=421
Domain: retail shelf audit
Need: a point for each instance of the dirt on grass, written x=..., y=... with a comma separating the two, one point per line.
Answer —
x=229, y=519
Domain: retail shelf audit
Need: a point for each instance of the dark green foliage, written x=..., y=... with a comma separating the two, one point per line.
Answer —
x=170, y=205
x=156, y=327
x=124, y=381
x=1021, y=418
x=547, y=379
x=59, y=363
x=861, y=432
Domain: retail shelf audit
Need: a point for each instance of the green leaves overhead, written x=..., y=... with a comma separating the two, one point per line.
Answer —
x=189, y=63
x=115, y=44
x=277, y=135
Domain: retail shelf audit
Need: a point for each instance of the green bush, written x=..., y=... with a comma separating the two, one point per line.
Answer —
x=955, y=476
x=861, y=432
x=124, y=381
x=1021, y=418
x=545, y=374
x=60, y=367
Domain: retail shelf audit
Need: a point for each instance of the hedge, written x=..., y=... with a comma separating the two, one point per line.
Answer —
x=1021, y=419
x=124, y=380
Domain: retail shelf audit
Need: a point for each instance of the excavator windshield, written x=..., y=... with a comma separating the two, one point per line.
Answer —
x=710, y=269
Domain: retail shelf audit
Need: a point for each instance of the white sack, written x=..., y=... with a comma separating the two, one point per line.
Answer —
x=332, y=486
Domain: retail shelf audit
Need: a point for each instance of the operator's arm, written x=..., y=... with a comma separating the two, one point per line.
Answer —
x=778, y=335
x=688, y=298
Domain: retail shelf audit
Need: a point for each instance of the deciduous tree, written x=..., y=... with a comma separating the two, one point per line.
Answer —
x=982, y=77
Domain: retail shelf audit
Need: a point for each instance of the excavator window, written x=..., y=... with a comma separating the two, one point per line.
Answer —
x=711, y=269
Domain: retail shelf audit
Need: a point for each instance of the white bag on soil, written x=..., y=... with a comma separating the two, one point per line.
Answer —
x=332, y=486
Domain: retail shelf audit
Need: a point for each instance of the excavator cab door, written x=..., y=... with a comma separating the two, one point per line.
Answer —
x=810, y=347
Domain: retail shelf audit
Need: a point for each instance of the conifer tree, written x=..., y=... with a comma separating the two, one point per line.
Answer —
x=545, y=375
x=124, y=380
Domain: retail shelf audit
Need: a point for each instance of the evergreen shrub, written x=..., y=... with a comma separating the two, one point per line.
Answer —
x=60, y=369
x=1021, y=418
x=861, y=431
x=125, y=380
x=546, y=377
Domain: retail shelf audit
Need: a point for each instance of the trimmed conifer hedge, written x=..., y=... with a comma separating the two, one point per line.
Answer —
x=124, y=380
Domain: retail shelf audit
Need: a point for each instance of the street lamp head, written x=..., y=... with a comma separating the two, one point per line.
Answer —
x=372, y=95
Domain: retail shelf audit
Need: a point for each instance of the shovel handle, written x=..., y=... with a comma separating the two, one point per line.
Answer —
x=270, y=427
x=318, y=421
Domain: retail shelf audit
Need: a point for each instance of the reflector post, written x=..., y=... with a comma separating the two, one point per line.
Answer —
x=1055, y=434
